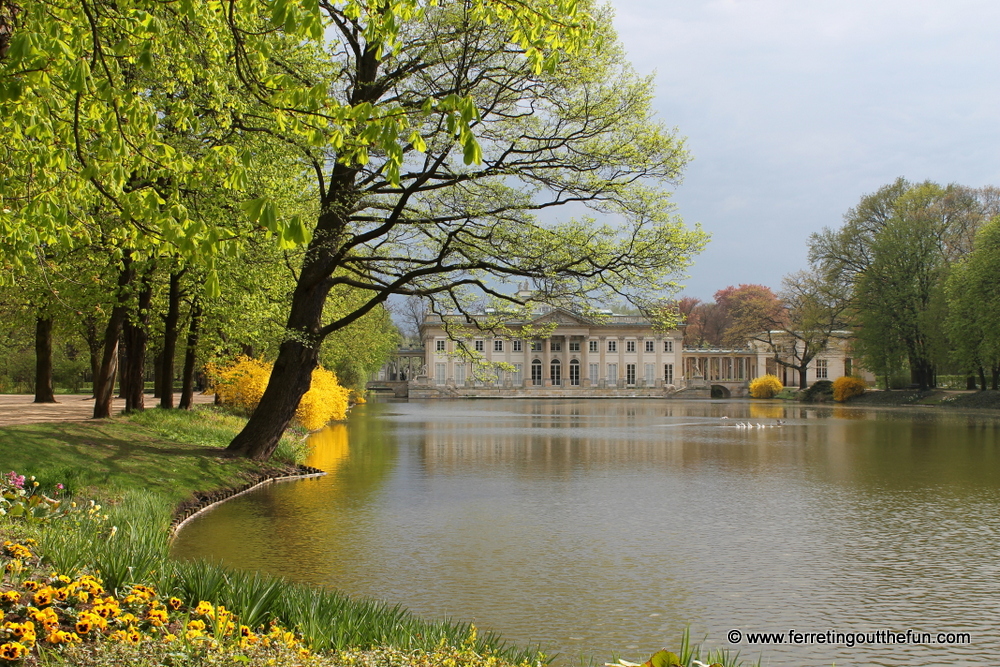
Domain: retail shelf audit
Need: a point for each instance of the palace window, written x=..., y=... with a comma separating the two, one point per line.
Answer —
x=516, y=345
x=555, y=373
x=822, y=369
x=612, y=346
x=649, y=346
x=480, y=346
x=574, y=373
x=439, y=373
x=630, y=346
x=592, y=345
x=630, y=374
x=650, y=371
x=517, y=377
x=668, y=346
x=460, y=374
x=498, y=346
x=668, y=373
x=536, y=346
x=595, y=374
x=439, y=346
x=554, y=346
x=612, y=373
x=574, y=346
x=536, y=372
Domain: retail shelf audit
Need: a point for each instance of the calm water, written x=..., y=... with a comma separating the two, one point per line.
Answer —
x=604, y=527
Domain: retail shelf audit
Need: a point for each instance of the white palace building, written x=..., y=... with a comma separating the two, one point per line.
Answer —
x=604, y=356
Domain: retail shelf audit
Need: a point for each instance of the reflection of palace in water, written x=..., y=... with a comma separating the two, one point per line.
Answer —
x=560, y=353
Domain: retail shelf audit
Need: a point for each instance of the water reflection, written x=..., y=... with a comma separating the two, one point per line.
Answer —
x=606, y=526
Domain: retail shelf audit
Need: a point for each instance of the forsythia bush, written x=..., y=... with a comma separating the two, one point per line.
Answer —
x=766, y=386
x=325, y=401
x=241, y=384
x=847, y=387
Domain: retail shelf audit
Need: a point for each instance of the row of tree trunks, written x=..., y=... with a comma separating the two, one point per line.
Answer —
x=121, y=352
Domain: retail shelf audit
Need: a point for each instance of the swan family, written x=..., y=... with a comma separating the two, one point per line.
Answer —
x=751, y=425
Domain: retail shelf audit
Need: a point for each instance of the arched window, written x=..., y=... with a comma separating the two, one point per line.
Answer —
x=555, y=372
x=574, y=373
x=536, y=372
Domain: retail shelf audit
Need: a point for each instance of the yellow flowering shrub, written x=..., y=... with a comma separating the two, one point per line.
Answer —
x=847, y=387
x=325, y=401
x=241, y=384
x=766, y=386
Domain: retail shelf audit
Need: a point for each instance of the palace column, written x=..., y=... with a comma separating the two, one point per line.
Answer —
x=546, y=362
x=621, y=361
x=585, y=360
x=602, y=369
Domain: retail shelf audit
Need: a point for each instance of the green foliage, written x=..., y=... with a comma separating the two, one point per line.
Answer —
x=973, y=319
x=818, y=391
x=765, y=386
x=847, y=387
x=895, y=251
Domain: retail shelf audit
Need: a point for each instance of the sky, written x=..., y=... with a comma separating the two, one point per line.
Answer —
x=795, y=109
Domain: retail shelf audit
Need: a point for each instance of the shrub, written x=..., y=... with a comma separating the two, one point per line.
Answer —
x=847, y=387
x=820, y=390
x=766, y=386
x=241, y=385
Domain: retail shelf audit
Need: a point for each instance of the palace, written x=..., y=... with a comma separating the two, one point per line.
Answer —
x=577, y=355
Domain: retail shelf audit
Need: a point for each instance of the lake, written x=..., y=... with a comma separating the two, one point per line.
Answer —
x=603, y=528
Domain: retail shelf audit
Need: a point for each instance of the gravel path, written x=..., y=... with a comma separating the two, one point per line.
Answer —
x=19, y=408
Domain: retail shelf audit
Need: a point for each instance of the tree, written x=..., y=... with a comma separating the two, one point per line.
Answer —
x=750, y=310
x=894, y=252
x=454, y=223
x=974, y=306
x=810, y=314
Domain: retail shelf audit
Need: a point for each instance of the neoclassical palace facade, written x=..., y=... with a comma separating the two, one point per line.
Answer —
x=612, y=354
x=577, y=355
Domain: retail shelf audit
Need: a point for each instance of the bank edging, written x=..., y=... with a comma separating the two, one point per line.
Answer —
x=210, y=501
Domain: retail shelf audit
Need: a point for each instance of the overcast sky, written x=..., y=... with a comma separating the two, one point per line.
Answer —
x=794, y=109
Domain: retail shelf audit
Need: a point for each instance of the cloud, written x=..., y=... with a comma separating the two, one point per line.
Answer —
x=795, y=109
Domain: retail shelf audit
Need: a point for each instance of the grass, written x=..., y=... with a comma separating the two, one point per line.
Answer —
x=172, y=453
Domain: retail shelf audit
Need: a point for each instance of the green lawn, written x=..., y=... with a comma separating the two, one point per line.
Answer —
x=171, y=453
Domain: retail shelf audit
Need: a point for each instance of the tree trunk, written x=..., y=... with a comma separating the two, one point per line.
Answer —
x=995, y=380
x=170, y=340
x=157, y=372
x=136, y=336
x=190, y=352
x=122, y=362
x=94, y=345
x=970, y=383
x=297, y=356
x=982, y=379
x=104, y=382
x=43, y=360
x=803, y=374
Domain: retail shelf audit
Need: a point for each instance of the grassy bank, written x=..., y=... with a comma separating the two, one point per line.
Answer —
x=170, y=453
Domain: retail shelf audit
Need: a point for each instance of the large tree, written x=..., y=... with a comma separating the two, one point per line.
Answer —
x=974, y=307
x=455, y=222
x=811, y=312
x=894, y=252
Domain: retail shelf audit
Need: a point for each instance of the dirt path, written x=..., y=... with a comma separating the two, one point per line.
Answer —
x=19, y=409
